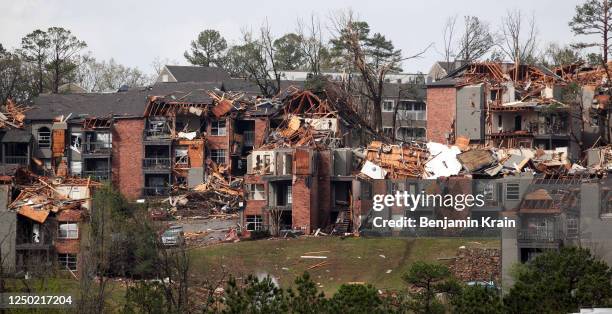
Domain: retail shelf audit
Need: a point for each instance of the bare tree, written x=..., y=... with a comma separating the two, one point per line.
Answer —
x=519, y=37
x=158, y=64
x=312, y=45
x=372, y=68
x=449, y=32
x=476, y=39
x=256, y=59
x=275, y=220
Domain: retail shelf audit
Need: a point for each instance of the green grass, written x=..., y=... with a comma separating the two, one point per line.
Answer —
x=350, y=260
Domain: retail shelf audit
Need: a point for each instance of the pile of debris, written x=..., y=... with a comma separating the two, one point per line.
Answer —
x=45, y=196
x=398, y=161
x=13, y=115
x=477, y=264
x=214, y=198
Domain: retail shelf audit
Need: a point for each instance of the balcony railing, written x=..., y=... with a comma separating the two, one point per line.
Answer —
x=249, y=138
x=530, y=234
x=157, y=134
x=156, y=191
x=156, y=163
x=412, y=114
x=97, y=148
x=16, y=160
x=98, y=175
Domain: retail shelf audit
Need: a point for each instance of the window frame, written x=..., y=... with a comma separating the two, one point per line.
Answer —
x=388, y=101
x=253, y=192
x=216, y=129
x=512, y=185
x=68, y=232
x=253, y=220
x=214, y=155
x=68, y=260
x=44, y=141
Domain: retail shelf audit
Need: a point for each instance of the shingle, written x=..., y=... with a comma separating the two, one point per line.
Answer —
x=198, y=73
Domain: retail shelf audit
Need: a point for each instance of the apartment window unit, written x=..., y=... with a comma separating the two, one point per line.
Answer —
x=254, y=222
x=256, y=192
x=218, y=155
x=572, y=227
x=68, y=231
x=218, y=128
x=44, y=137
x=512, y=191
x=67, y=261
x=405, y=133
x=388, y=105
x=489, y=191
x=387, y=131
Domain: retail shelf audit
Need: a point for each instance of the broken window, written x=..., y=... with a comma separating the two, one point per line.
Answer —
x=75, y=142
x=388, y=105
x=388, y=131
x=256, y=192
x=44, y=137
x=218, y=155
x=181, y=158
x=254, y=222
x=67, y=261
x=68, y=231
x=217, y=128
x=512, y=191
x=289, y=194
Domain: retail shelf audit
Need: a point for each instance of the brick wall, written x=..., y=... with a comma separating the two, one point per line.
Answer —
x=260, y=131
x=440, y=112
x=301, y=206
x=127, y=156
x=221, y=142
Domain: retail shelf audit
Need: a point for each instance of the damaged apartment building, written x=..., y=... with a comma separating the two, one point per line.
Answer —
x=506, y=106
x=303, y=176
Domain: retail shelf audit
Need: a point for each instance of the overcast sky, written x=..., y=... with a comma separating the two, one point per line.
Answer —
x=136, y=32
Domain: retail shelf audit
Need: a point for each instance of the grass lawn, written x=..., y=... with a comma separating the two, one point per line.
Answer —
x=350, y=260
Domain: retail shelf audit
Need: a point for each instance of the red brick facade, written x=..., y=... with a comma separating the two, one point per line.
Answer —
x=441, y=102
x=261, y=125
x=128, y=151
x=303, y=208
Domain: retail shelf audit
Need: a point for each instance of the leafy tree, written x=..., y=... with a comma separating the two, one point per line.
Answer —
x=594, y=17
x=287, y=52
x=208, y=49
x=560, y=282
x=145, y=297
x=257, y=296
x=429, y=280
x=356, y=299
x=306, y=298
x=17, y=79
x=64, y=55
x=35, y=49
x=477, y=300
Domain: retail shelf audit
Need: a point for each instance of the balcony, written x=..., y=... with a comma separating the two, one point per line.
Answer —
x=536, y=235
x=156, y=163
x=98, y=175
x=156, y=191
x=97, y=148
x=16, y=160
x=412, y=115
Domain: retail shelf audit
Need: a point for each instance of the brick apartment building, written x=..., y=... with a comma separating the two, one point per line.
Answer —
x=508, y=106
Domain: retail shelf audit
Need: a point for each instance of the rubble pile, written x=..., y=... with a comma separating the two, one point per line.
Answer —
x=477, y=264
x=44, y=196
x=13, y=115
x=398, y=161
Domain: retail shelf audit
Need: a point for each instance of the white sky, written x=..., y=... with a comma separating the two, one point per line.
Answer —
x=135, y=32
